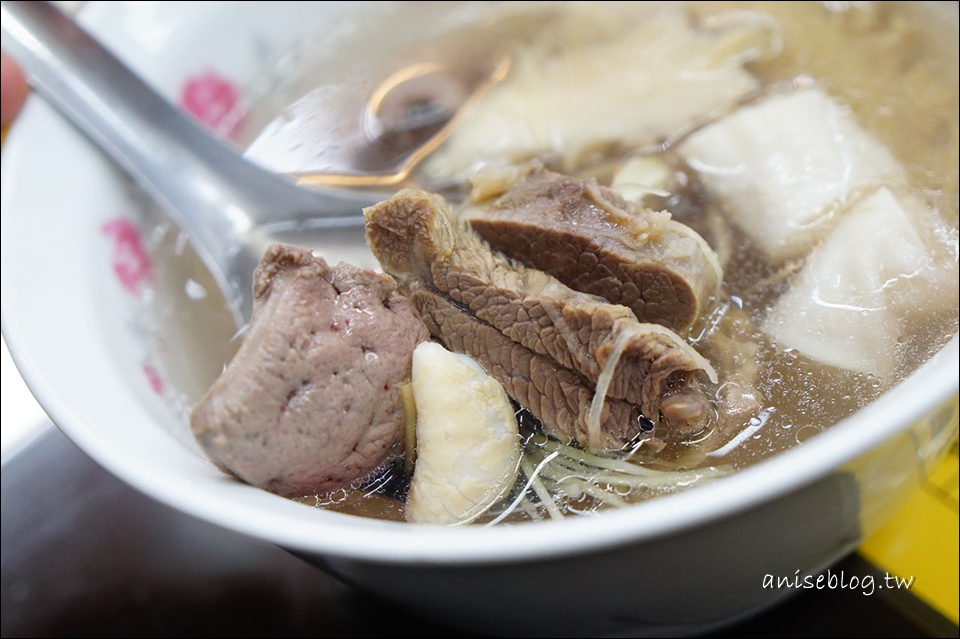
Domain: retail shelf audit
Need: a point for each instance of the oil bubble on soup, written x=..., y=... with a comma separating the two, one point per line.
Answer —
x=811, y=227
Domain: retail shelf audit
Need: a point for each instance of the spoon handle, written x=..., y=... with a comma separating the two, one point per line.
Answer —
x=213, y=193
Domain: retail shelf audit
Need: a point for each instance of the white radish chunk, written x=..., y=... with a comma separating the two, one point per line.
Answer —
x=841, y=310
x=783, y=167
x=468, y=446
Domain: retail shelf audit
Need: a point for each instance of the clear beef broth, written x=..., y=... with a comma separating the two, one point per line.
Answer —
x=835, y=45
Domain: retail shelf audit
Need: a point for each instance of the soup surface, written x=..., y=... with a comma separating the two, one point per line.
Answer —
x=836, y=285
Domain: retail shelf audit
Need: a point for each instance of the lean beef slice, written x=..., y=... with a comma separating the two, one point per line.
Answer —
x=559, y=398
x=311, y=401
x=420, y=240
x=594, y=241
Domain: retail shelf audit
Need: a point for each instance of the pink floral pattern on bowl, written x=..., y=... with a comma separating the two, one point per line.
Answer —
x=214, y=101
x=133, y=269
x=153, y=378
x=130, y=260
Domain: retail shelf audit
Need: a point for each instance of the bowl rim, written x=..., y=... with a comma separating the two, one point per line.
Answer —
x=254, y=512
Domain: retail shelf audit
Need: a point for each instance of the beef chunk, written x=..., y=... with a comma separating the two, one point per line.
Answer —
x=594, y=241
x=311, y=401
x=419, y=239
x=417, y=235
x=558, y=397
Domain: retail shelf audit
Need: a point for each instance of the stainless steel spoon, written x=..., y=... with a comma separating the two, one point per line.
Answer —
x=402, y=119
x=226, y=204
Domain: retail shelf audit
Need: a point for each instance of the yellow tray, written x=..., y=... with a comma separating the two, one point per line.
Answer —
x=921, y=542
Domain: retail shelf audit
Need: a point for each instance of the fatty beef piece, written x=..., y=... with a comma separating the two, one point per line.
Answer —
x=311, y=401
x=593, y=240
x=588, y=369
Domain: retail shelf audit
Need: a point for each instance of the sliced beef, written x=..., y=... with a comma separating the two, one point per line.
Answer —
x=419, y=239
x=594, y=241
x=417, y=235
x=311, y=401
x=558, y=397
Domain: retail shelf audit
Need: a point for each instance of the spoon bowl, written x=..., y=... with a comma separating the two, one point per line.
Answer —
x=401, y=121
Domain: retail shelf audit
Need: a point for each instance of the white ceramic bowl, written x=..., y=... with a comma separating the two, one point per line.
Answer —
x=680, y=564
